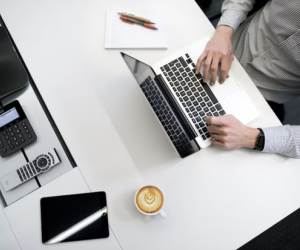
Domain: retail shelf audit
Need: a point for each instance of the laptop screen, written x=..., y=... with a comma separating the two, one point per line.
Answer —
x=140, y=70
x=163, y=105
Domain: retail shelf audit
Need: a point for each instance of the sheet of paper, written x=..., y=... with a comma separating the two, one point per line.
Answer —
x=123, y=35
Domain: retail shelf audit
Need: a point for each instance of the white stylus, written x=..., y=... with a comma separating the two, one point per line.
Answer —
x=78, y=226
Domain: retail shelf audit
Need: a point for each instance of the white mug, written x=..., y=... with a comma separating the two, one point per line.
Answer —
x=160, y=212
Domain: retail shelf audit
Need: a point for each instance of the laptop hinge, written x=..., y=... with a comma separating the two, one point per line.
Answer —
x=176, y=107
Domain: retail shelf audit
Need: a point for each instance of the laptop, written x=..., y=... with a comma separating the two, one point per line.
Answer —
x=181, y=100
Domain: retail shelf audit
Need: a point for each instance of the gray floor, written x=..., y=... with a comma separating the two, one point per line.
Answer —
x=215, y=22
x=292, y=112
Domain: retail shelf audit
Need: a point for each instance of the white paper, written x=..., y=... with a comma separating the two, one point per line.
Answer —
x=123, y=35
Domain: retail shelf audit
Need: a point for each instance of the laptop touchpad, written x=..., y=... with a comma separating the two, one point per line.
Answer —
x=222, y=91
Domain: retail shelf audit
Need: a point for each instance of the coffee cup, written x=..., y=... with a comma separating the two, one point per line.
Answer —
x=149, y=200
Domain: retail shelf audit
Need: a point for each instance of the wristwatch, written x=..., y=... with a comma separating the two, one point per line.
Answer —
x=260, y=142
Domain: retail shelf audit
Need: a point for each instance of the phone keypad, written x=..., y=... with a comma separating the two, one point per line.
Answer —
x=16, y=137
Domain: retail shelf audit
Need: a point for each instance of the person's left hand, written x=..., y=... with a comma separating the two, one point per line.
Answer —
x=228, y=132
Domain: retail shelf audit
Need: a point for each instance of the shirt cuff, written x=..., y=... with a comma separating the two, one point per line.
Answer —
x=232, y=18
x=275, y=139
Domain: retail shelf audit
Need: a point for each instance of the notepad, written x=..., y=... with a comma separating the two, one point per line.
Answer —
x=123, y=35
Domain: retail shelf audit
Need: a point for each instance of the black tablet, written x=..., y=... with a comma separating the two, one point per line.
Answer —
x=74, y=217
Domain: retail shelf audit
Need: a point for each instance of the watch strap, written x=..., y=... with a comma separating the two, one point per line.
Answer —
x=260, y=142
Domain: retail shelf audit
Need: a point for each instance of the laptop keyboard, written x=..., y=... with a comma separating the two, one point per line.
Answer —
x=165, y=115
x=195, y=96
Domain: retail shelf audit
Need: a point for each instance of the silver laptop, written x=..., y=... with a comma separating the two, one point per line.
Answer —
x=181, y=100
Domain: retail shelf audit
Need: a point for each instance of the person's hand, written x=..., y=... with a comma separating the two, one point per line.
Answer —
x=217, y=50
x=228, y=132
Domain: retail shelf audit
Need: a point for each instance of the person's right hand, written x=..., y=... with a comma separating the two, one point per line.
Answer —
x=217, y=51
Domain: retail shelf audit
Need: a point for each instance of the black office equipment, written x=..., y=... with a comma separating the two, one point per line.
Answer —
x=60, y=214
x=13, y=76
x=16, y=131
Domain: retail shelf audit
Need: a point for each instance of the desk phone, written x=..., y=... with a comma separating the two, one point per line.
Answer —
x=16, y=131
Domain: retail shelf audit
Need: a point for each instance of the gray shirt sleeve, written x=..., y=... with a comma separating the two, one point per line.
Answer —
x=234, y=12
x=283, y=140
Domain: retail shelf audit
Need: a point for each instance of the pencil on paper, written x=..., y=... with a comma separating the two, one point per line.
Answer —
x=141, y=19
x=131, y=21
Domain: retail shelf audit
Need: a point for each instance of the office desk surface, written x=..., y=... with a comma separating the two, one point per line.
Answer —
x=215, y=199
x=7, y=239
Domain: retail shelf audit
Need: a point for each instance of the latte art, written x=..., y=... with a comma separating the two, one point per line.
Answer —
x=149, y=199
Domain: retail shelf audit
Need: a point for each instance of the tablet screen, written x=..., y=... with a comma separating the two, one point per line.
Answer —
x=74, y=217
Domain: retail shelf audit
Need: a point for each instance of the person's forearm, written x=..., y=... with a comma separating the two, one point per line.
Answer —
x=250, y=137
x=234, y=12
x=283, y=140
x=225, y=31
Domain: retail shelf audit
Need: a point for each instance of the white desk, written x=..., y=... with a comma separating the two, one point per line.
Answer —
x=214, y=199
x=7, y=239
